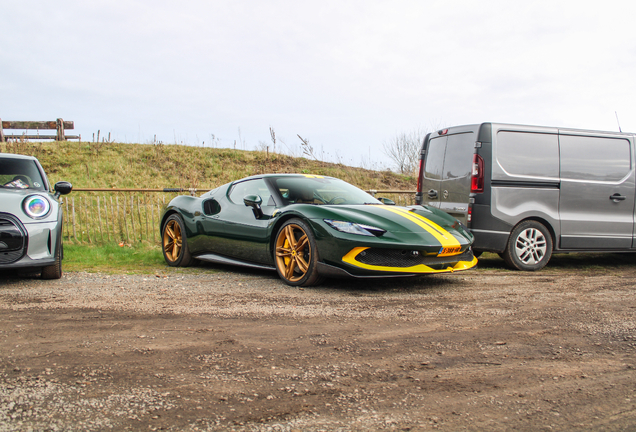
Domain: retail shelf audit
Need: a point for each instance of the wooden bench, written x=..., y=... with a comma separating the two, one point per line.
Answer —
x=59, y=125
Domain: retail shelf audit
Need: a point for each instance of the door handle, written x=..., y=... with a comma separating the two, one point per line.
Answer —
x=432, y=193
x=617, y=197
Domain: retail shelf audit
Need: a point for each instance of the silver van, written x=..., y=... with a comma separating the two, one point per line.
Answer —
x=528, y=191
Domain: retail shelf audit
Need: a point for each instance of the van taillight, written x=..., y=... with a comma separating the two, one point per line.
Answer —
x=469, y=215
x=419, y=178
x=477, y=175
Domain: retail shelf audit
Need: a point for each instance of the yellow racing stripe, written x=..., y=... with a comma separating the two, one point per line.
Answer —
x=447, y=240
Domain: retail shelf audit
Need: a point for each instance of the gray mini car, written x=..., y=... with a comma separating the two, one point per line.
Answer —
x=30, y=217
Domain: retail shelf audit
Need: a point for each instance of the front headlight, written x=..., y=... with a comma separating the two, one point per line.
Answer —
x=354, y=228
x=36, y=206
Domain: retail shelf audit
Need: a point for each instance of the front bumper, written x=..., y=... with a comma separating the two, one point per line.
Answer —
x=29, y=244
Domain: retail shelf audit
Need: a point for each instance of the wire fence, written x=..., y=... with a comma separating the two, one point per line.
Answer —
x=97, y=216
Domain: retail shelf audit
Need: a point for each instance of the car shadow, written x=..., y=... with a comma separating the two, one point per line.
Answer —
x=568, y=261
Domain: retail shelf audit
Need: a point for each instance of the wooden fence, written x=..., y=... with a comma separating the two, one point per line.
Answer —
x=120, y=217
x=132, y=216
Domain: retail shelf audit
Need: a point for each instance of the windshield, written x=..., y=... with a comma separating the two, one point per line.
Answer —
x=320, y=190
x=20, y=174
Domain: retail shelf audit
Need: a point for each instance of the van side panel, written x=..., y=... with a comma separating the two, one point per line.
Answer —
x=597, y=191
x=521, y=182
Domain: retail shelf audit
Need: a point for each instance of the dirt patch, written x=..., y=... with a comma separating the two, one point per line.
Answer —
x=485, y=349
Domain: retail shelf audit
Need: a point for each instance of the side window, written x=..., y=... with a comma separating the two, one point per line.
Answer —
x=594, y=158
x=528, y=154
x=458, y=159
x=435, y=158
x=250, y=187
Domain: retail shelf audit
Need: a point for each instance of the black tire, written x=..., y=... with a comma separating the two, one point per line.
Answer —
x=174, y=243
x=529, y=247
x=54, y=271
x=296, y=255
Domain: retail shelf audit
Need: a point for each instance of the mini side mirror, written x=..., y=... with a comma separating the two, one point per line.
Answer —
x=62, y=188
x=386, y=201
x=255, y=202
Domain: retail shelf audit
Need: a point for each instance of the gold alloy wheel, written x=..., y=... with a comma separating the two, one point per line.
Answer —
x=172, y=240
x=293, y=252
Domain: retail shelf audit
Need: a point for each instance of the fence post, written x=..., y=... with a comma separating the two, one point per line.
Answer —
x=132, y=218
x=74, y=232
x=99, y=212
x=88, y=220
x=60, y=131
x=141, y=226
x=125, y=222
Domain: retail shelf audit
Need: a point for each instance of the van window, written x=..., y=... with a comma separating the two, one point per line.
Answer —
x=435, y=158
x=459, y=155
x=594, y=158
x=528, y=154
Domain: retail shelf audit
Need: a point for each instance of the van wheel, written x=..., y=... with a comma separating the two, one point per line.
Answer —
x=529, y=247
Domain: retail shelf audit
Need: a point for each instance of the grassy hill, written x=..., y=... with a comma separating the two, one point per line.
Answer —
x=116, y=165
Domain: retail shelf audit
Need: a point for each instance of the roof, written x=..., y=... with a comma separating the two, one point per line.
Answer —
x=16, y=156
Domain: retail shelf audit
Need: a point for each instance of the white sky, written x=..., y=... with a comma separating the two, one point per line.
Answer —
x=346, y=75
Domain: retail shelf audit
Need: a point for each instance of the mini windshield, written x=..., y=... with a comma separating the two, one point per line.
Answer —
x=320, y=190
x=20, y=174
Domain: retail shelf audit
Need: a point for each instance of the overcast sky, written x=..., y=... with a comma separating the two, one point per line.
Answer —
x=346, y=75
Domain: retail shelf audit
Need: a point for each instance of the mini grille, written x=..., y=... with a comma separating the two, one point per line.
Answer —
x=13, y=240
x=406, y=258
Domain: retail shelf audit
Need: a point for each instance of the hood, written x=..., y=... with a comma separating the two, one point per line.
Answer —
x=397, y=219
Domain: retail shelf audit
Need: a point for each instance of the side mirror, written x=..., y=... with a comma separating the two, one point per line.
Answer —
x=255, y=202
x=62, y=188
x=386, y=201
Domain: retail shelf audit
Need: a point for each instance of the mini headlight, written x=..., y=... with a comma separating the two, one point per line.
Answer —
x=36, y=206
x=354, y=228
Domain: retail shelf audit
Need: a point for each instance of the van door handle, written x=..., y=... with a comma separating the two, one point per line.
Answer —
x=617, y=197
x=432, y=193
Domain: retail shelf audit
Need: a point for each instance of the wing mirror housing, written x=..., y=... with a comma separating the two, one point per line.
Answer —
x=255, y=202
x=386, y=201
x=62, y=188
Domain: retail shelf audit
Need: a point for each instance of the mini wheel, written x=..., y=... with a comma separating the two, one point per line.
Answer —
x=529, y=247
x=54, y=271
x=174, y=243
x=296, y=254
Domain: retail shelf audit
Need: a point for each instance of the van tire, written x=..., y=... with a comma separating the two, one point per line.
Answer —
x=529, y=247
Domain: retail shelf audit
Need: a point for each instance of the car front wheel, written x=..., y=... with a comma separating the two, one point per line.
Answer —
x=529, y=247
x=174, y=243
x=296, y=254
x=53, y=271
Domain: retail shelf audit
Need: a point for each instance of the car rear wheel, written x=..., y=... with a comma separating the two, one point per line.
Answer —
x=175, y=243
x=296, y=254
x=529, y=247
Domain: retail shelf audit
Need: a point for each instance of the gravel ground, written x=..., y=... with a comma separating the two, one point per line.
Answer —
x=239, y=350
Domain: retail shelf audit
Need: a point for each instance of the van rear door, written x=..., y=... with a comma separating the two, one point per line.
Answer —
x=597, y=191
x=432, y=170
x=455, y=184
x=446, y=172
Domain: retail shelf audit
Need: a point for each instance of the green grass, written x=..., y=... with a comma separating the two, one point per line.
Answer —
x=112, y=258
x=118, y=165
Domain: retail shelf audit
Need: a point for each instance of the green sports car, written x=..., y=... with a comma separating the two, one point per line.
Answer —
x=308, y=227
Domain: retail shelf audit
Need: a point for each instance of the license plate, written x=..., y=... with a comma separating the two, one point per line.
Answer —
x=450, y=250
